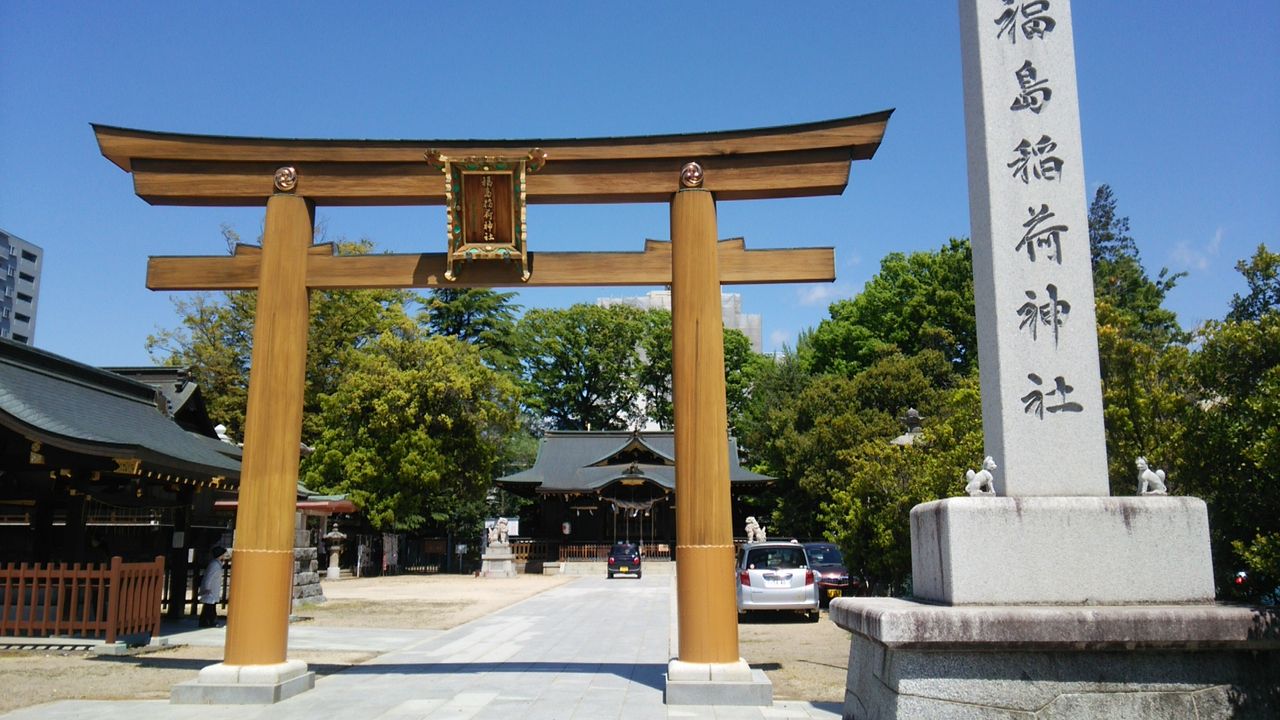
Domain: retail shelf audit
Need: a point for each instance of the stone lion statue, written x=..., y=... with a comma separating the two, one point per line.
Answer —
x=755, y=533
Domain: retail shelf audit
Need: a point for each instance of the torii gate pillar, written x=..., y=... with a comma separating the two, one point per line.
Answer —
x=706, y=607
x=263, y=551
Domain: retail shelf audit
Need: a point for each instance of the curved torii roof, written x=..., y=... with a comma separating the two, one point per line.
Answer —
x=783, y=161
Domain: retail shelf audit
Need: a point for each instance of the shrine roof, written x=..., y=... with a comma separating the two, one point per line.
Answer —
x=586, y=461
x=67, y=405
x=780, y=161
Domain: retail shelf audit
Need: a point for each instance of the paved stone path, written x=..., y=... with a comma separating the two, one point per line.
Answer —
x=593, y=649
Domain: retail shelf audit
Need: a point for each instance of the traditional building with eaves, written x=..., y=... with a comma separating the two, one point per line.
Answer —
x=597, y=488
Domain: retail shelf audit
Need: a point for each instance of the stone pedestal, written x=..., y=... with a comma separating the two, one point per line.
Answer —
x=690, y=683
x=223, y=684
x=498, y=561
x=1058, y=550
x=913, y=660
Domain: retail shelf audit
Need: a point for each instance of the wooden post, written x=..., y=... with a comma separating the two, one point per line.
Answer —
x=262, y=580
x=704, y=586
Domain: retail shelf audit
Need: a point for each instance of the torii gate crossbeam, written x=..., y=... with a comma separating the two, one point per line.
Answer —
x=749, y=164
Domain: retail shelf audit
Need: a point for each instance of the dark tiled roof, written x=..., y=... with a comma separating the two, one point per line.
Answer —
x=82, y=409
x=585, y=462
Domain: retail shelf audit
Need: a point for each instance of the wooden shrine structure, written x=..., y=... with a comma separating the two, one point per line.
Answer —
x=485, y=186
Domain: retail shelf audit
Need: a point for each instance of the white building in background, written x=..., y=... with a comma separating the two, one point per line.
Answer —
x=730, y=312
x=20, y=263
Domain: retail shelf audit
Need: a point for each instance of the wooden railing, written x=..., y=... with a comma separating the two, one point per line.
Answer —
x=600, y=552
x=112, y=601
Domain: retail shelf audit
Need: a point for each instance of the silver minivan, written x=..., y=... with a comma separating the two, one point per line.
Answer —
x=776, y=576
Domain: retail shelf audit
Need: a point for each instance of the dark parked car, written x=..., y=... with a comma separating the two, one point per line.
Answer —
x=624, y=559
x=833, y=577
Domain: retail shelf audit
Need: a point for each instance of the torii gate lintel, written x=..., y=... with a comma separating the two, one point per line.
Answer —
x=652, y=266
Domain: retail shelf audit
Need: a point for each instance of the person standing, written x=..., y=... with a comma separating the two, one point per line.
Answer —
x=211, y=588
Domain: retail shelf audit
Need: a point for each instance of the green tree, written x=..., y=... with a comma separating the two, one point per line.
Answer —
x=582, y=365
x=868, y=514
x=415, y=432
x=484, y=318
x=1262, y=273
x=1126, y=296
x=215, y=338
x=740, y=367
x=919, y=301
x=1141, y=348
x=1229, y=455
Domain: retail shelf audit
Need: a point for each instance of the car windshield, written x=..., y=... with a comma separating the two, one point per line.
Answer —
x=775, y=558
x=623, y=550
x=825, y=555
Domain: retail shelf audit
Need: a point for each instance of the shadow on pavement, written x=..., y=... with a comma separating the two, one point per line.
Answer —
x=194, y=664
x=650, y=674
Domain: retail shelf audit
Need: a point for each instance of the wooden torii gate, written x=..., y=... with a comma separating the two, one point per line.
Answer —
x=292, y=177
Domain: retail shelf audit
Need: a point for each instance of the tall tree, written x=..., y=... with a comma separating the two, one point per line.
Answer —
x=1125, y=294
x=582, y=365
x=484, y=318
x=1262, y=273
x=919, y=301
x=1141, y=348
x=740, y=364
x=415, y=432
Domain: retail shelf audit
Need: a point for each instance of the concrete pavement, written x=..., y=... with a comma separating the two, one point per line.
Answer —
x=592, y=649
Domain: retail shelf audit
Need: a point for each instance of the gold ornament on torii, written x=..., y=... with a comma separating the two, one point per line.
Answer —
x=485, y=207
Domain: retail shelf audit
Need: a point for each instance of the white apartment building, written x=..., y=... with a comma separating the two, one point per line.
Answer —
x=730, y=312
x=19, y=287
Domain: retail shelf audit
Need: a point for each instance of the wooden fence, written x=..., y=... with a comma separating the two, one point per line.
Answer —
x=112, y=601
x=599, y=552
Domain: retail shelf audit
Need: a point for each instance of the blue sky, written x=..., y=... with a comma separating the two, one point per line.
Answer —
x=1179, y=108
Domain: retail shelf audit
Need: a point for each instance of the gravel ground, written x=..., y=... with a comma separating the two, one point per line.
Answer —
x=805, y=661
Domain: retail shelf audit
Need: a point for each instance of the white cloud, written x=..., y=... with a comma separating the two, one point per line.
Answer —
x=820, y=293
x=1198, y=257
x=780, y=338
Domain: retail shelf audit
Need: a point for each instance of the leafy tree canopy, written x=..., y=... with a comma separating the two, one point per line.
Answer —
x=1125, y=295
x=583, y=366
x=415, y=432
x=215, y=338
x=916, y=302
x=484, y=318
x=1262, y=273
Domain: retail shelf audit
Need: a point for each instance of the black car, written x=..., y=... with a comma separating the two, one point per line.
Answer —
x=833, y=577
x=624, y=559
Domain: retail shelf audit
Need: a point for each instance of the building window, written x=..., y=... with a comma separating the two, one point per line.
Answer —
x=28, y=256
x=22, y=318
x=23, y=297
x=25, y=276
x=20, y=338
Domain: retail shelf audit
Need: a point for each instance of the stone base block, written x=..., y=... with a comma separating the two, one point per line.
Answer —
x=498, y=561
x=222, y=684
x=911, y=660
x=1062, y=550
x=717, y=684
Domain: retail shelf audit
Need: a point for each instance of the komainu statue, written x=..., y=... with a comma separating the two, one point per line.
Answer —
x=979, y=483
x=755, y=533
x=498, y=533
x=1150, y=482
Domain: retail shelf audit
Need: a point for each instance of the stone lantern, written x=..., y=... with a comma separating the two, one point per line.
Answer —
x=334, y=538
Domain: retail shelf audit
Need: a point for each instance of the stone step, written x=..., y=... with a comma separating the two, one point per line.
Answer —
x=650, y=567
